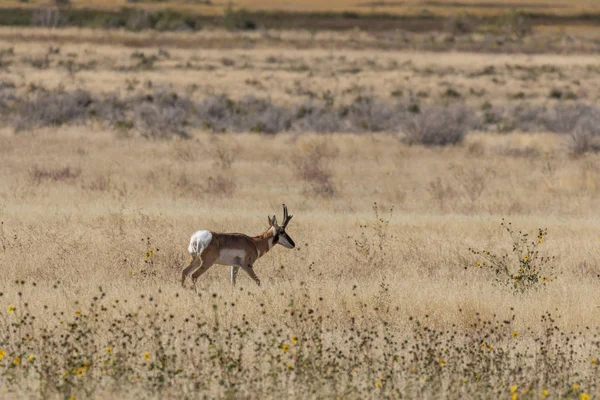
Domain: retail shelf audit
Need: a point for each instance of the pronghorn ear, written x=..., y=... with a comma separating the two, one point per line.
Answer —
x=270, y=222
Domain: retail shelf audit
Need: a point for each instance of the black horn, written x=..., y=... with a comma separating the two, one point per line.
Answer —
x=286, y=217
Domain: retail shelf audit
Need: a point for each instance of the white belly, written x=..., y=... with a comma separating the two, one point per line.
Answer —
x=231, y=257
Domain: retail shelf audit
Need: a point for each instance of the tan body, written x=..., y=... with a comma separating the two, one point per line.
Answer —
x=234, y=249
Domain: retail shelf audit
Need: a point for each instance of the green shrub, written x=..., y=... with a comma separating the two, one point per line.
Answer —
x=523, y=268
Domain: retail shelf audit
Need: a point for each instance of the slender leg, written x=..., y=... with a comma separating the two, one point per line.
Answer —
x=207, y=262
x=234, y=272
x=193, y=265
x=250, y=271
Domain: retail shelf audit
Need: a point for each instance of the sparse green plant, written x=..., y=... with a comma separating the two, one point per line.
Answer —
x=523, y=268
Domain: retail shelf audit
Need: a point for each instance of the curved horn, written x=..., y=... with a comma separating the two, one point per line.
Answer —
x=286, y=217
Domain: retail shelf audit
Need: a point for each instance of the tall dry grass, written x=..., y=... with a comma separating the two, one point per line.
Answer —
x=392, y=290
x=81, y=210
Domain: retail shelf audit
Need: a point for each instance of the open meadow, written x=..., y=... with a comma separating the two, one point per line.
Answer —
x=446, y=216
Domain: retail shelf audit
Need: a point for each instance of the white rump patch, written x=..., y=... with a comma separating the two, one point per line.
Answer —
x=199, y=241
x=231, y=256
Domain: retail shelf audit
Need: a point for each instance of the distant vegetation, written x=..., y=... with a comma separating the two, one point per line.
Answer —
x=172, y=19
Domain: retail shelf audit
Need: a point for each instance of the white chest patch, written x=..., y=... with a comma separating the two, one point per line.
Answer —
x=231, y=257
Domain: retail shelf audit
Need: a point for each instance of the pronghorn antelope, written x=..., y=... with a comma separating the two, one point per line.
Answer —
x=235, y=249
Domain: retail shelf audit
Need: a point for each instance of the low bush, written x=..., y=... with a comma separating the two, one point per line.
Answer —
x=438, y=126
x=585, y=137
x=53, y=108
x=524, y=267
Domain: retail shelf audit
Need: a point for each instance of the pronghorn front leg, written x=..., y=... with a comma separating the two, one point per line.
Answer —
x=250, y=271
x=234, y=272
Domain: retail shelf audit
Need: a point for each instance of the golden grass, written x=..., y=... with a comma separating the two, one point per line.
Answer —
x=95, y=229
x=83, y=207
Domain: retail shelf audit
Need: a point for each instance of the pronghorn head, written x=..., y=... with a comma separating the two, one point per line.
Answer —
x=279, y=235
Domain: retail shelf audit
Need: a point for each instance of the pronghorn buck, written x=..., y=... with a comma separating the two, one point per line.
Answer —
x=235, y=249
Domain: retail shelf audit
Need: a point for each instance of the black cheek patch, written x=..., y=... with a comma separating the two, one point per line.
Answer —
x=275, y=239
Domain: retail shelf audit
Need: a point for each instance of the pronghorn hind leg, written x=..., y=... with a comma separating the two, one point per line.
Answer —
x=234, y=272
x=193, y=265
x=250, y=271
x=208, y=260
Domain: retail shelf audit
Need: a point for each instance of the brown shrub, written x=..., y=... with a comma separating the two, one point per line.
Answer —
x=66, y=174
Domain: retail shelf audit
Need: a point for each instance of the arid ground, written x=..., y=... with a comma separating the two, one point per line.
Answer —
x=399, y=167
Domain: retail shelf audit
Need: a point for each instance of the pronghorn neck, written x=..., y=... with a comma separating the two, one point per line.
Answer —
x=264, y=242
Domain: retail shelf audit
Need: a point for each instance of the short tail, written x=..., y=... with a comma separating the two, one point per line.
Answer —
x=199, y=241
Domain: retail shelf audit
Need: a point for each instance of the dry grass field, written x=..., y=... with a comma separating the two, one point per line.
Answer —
x=399, y=169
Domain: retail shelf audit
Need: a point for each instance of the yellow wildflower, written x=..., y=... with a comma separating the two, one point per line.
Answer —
x=147, y=255
x=72, y=398
x=294, y=339
x=478, y=265
x=2, y=354
x=109, y=350
x=11, y=309
x=290, y=367
x=526, y=258
x=77, y=312
x=575, y=387
x=594, y=360
x=285, y=348
x=514, y=388
x=31, y=357
x=584, y=396
x=515, y=334
x=544, y=393
x=378, y=384
x=147, y=356
x=150, y=251
x=17, y=360
x=80, y=372
x=514, y=396
x=442, y=362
